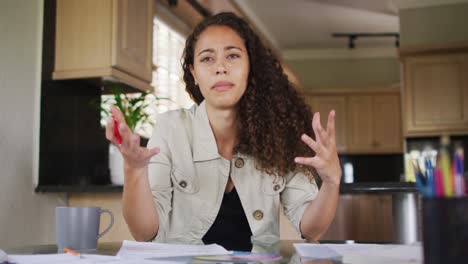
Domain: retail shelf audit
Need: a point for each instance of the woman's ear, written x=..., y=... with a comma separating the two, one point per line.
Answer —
x=192, y=71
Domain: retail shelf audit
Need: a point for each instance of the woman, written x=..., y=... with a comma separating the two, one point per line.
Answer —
x=219, y=172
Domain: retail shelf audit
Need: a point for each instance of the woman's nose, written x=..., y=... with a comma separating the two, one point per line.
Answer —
x=220, y=68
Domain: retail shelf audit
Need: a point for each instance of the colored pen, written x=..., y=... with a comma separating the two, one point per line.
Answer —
x=71, y=252
x=430, y=178
x=459, y=181
x=438, y=182
x=447, y=177
x=421, y=182
x=118, y=137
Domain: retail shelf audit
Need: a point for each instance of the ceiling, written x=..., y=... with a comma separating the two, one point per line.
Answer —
x=309, y=24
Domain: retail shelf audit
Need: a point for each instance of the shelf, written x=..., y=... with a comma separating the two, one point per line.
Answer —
x=79, y=188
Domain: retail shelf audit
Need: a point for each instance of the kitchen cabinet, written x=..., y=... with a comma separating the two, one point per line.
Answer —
x=372, y=218
x=387, y=123
x=342, y=225
x=374, y=124
x=360, y=122
x=323, y=105
x=367, y=121
x=360, y=217
x=363, y=217
x=435, y=93
x=109, y=39
x=341, y=228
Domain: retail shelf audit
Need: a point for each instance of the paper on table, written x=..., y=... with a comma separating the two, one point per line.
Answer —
x=84, y=259
x=395, y=253
x=316, y=251
x=145, y=250
x=44, y=258
x=372, y=253
x=3, y=256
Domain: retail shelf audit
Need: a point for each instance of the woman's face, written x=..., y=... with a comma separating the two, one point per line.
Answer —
x=221, y=66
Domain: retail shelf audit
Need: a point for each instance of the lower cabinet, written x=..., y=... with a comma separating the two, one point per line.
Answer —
x=364, y=217
x=342, y=226
x=372, y=218
x=358, y=217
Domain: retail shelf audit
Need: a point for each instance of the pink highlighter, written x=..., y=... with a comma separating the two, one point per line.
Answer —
x=117, y=135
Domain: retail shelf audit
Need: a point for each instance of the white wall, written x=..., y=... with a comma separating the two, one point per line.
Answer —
x=25, y=217
x=346, y=73
x=434, y=25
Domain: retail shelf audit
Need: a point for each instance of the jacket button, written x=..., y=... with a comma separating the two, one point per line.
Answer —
x=239, y=163
x=276, y=187
x=183, y=184
x=258, y=215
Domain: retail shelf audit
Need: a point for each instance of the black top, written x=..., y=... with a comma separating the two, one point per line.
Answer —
x=230, y=228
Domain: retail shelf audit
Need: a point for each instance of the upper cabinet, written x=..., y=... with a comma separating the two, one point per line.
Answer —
x=387, y=131
x=435, y=93
x=360, y=123
x=374, y=124
x=367, y=121
x=105, y=38
x=324, y=104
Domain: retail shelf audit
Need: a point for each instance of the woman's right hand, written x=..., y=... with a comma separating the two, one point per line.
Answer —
x=135, y=157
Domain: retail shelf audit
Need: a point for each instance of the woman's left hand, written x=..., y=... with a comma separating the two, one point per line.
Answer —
x=325, y=161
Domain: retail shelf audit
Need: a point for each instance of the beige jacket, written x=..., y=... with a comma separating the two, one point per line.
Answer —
x=188, y=179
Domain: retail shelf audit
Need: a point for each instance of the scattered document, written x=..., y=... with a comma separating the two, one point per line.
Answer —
x=150, y=250
x=44, y=258
x=3, y=256
x=317, y=251
x=364, y=253
x=241, y=257
x=83, y=259
x=130, y=253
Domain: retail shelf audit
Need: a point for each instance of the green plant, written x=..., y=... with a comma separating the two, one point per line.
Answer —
x=137, y=108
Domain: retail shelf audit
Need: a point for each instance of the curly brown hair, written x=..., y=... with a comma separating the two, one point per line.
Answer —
x=272, y=114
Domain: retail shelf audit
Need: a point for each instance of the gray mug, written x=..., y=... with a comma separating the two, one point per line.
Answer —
x=77, y=228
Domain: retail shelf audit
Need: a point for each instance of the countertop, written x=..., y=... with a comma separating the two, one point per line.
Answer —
x=378, y=188
x=345, y=188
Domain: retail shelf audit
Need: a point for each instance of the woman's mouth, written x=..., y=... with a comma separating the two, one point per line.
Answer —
x=222, y=86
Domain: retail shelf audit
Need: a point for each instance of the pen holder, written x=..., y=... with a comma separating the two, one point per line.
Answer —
x=445, y=230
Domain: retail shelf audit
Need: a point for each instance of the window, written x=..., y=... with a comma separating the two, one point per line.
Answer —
x=168, y=81
x=168, y=46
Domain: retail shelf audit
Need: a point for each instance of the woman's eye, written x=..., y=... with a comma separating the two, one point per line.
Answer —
x=233, y=56
x=206, y=59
